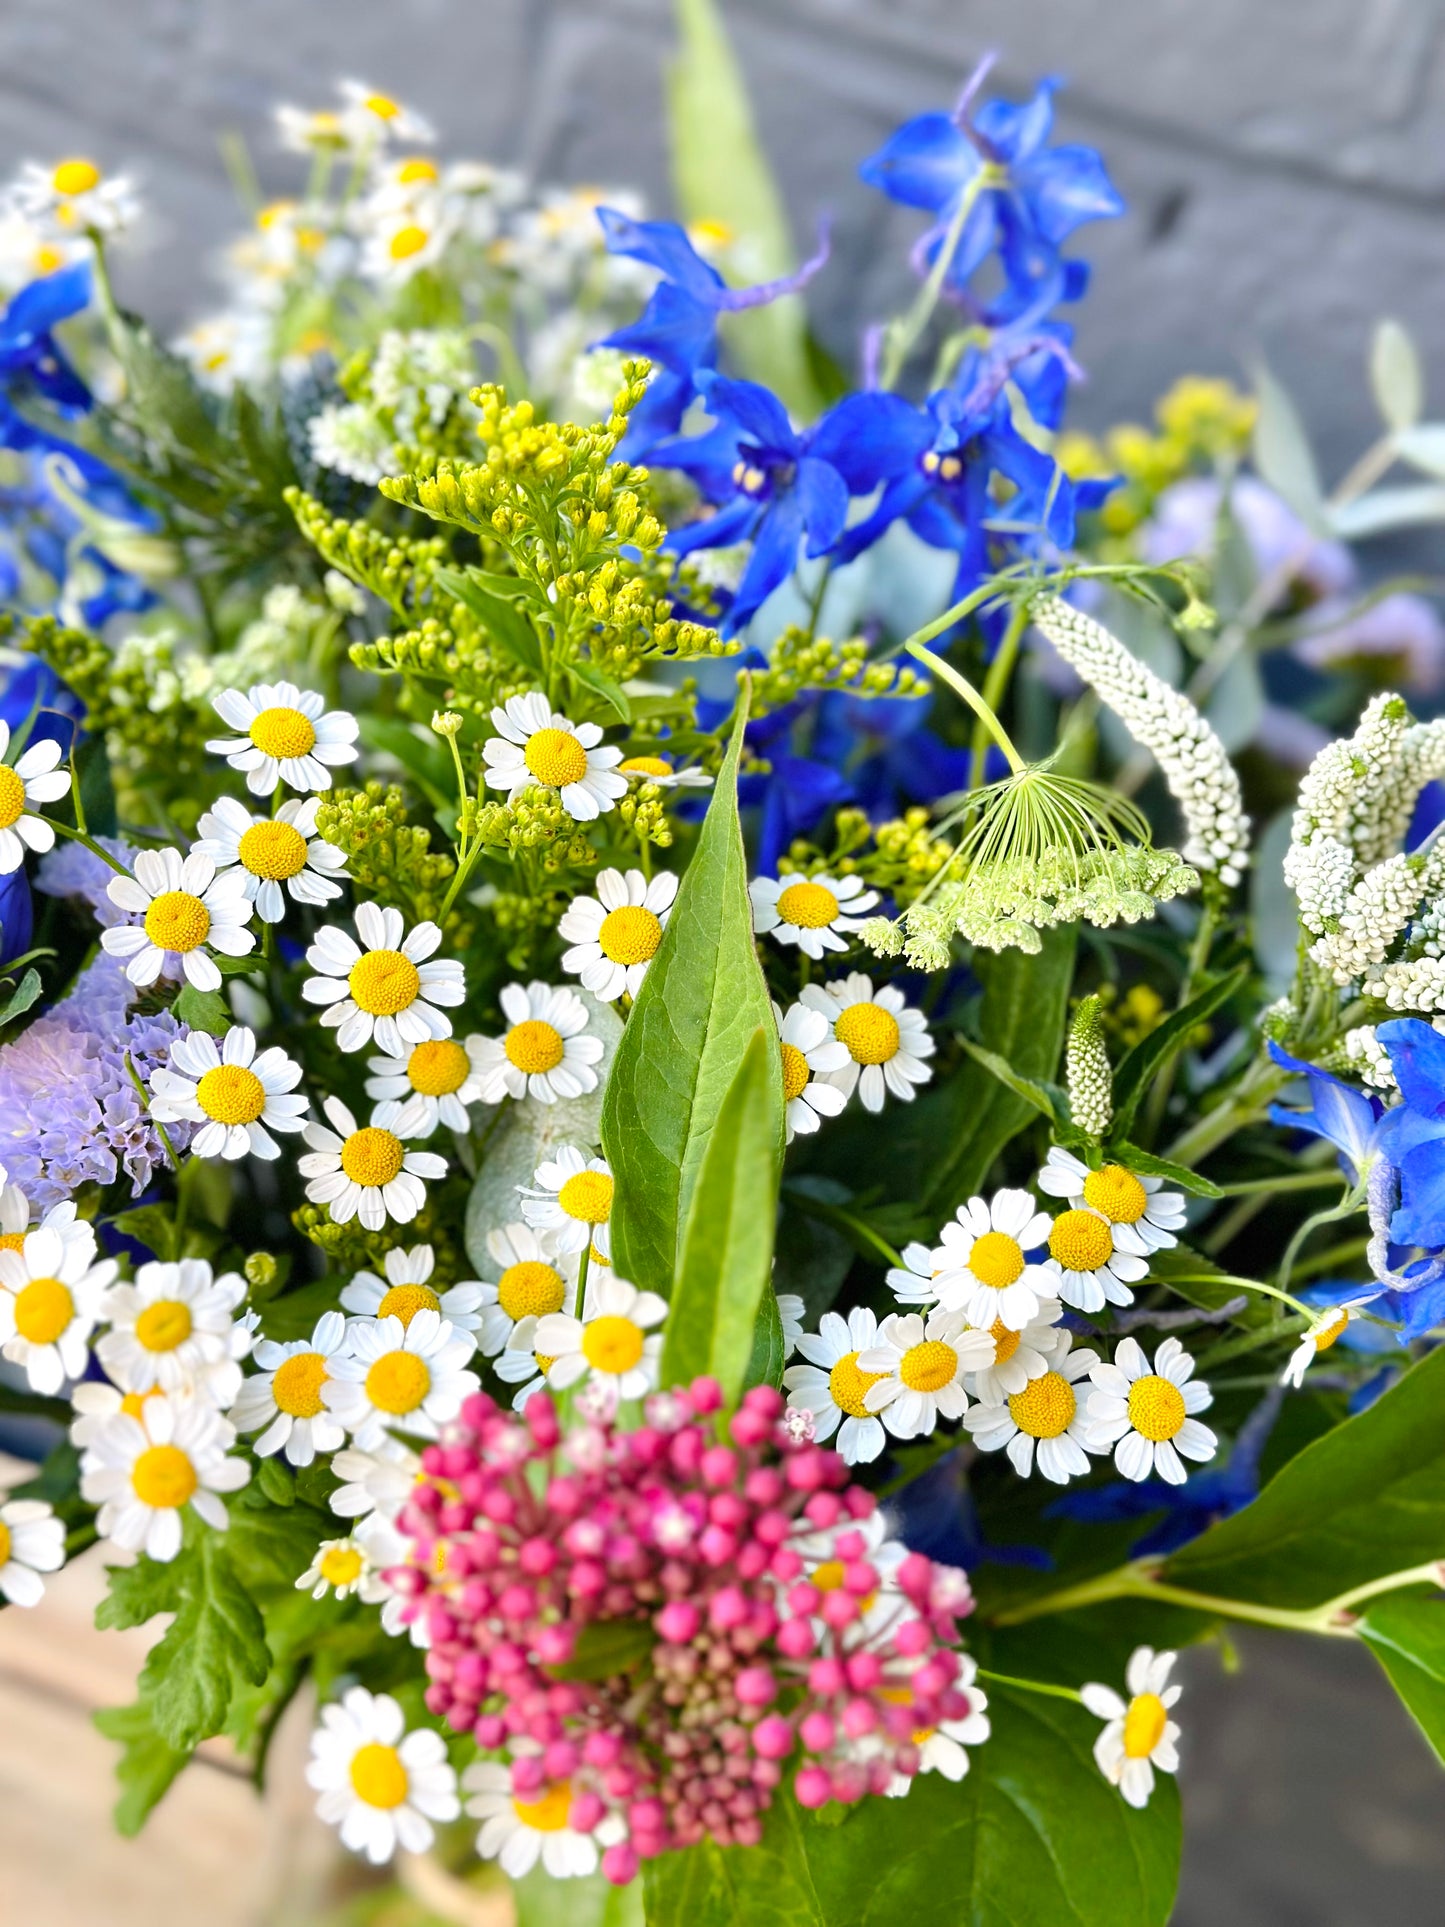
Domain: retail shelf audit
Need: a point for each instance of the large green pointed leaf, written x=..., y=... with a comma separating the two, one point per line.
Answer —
x=702, y=999
x=1365, y=1500
x=1406, y=1633
x=542, y=1901
x=727, y=1249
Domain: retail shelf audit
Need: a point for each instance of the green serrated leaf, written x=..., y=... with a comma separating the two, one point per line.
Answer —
x=137, y=1593
x=162, y=391
x=273, y=1545
x=1406, y=1633
x=203, y=1010
x=216, y=1639
x=147, y=1765
x=1139, y=1067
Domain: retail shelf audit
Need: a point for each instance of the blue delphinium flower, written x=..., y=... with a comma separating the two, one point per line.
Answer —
x=17, y=917
x=30, y=361
x=1337, y=1112
x=1414, y=1131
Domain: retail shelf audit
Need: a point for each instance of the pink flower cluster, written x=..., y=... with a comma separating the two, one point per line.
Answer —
x=632, y=1618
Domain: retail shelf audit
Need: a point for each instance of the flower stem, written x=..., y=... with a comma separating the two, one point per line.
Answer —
x=1032, y=1686
x=80, y=836
x=1246, y=1284
x=961, y=686
x=905, y=333
x=582, y=1278
x=995, y=684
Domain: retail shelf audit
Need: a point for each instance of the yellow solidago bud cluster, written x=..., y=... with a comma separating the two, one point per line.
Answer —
x=644, y=812
x=525, y=925
x=897, y=857
x=799, y=661
x=1201, y=424
x=451, y=649
x=396, y=568
x=390, y=859
x=536, y=822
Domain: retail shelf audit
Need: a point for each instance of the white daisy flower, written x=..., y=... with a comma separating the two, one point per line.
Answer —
x=1126, y=1198
x=517, y=1831
x=521, y=1364
x=920, y=1370
x=657, y=769
x=1047, y=1417
x=390, y=989
x=285, y=1395
x=302, y=130
x=1147, y=1412
x=33, y=778
x=570, y=1202
x=810, y=1053
x=287, y=736
x=915, y=1281
x=343, y=1567
x=615, y=935
x=76, y=197
x=817, y=913
x=437, y=1078
x=546, y=1052
x=15, y=1220
x=142, y=1471
x=409, y=1376
x=235, y=1096
x=405, y=1291
x=1139, y=1735
x=186, y=912
x=175, y=1328
x=531, y=1282
x=981, y=1266
x=791, y=1310
x=834, y=1389
x=366, y=1171
x=1320, y=1336
x=887, y=1042
x=95, y=1400
x=51, y=1295
x=535, y=745
x=612, y=1344
x=380, y=116
x=943, y=1748
x=374, y=1485
x=32, y=1542
x=1018, y=1355
x=272, y=851
x=380, y=1784
x=1093, y=1262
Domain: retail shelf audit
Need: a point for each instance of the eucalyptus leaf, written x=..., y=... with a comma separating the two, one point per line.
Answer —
x=1283, y=455
x=1423, y=448
x=1138, y=1068
x=1383, y=509
x=1396, y=378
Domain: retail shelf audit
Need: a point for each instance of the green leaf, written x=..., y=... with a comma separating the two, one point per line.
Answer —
x=1150, y=1166
x=603, y=686
x=154, y=1226
x=727, y=1251
x=25, y=993
x=1395, y=377
x=1424, y=448
x=1384, y=509
x=137, y=1593
x=216, y=1639
x=203, y=1010
x=496, y=611
x=1365, y=1500
x=605, y=1647
x=1406, y=1633
x=147, y=1765
x=1139, y=1067
x=1202, y=1282
x=701, y=1001
x=1042, y=1097
x=766, y=1360
x=273, y=1545
x=277, y=1482
x=163, y=392
x=720, y=173
x=541, y=1901
x=1283, y=455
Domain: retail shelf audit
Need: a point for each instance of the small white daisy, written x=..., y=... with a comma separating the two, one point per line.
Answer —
x=920, y=1370
x=832, y=1387
x=401, y=241
x=285, y=1395
x=141, y=1471
x=810, y=1052
x=381, y=1785
x=1018, y=1355
x=1047, y=1417
x=389, y=989
x=186, y=911
x=1139, y=1735
x=943, y=1748
x=404, y=1292
x=287, y=736
x=51, y=1295
x=1129, y=1200
x=981, y=1266
x=520, y=1364
x=615, y=935
x=366, y=1171
x=517, y=1831
x=1146, y=1412
x=409, y=1376
x=791, y=1310
x=438, y=1078
x=31, y=779
x=570, y=1202
x=915, y=1281
x=95, y=1400
x=382, y=117
x=1320, y=1336
x=272, y=851
x=612, y=1344
x=76, y=197
x=546, y=1051
x=657, y=769
x=887, y=1043
x=175, y=1327
x=534, y=745
x=235, y=1096
x=1092, y=1261
x=343, y=1567
x=374, y=1484
x=816, y=913
x=32, y=1542
x=15, y=1220
x=531, y=1282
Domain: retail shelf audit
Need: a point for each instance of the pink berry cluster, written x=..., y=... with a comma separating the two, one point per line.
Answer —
x=540, y=1560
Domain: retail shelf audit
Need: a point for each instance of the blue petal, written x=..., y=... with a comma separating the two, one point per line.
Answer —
x=823, y=496
x=16, y=916
x=869, y=438
x=1015, y=133
x=1417, y=1057
x=39, y=306
x=774, y=557
x=925, y=164
x=720, y=531
x=799, y=794
x=756, y=411
x=673, y=329
x=1420, y=1220
x=1067, y=187
x=663, y=245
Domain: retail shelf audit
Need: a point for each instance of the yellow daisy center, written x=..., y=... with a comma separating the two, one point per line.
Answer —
x=828, y=1576
x=383, y=982
x=869, y=1031
x=407, y=241
x=398, y=1382
x=549, y=1814
x=534, y=1047
x=134, y=1403
x=12, y=797
x=231, y=1095
x=645, y=766
x=417, y=169
x=996, y=1260
x=1144, y=1725
x=405, y=1301
x=177, y=921
x=296, y=1384
x=4, y=1544
x=530, y=1289
x=545, y=1362
x=1117, y=1193
x=164, y=1325
x=377, y=1776
x=163, y=1477
x=43, y=1309
x=1080, y=1241
x=1330, y=1331
x=12, y=1240
x=808, y=906
x=1045, y=1407
x=629, y=935
x=555, y=757
x=848, y=1387
x=1005, y=1342
x=928, y=1367
x=283, y=732
x=611, y=1344
x=383, y=106
x=340, y=1565
x=274, y=850
x=438, y=1067
x=314, y=341
x=795, y=1073
x=276, y=211
x=75, y=177
x=1156, y=1408
x=48, y=259
x=587, y=1197
x=372, y=1156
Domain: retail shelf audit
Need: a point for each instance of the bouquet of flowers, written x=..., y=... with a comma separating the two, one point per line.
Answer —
x=665, y=1133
